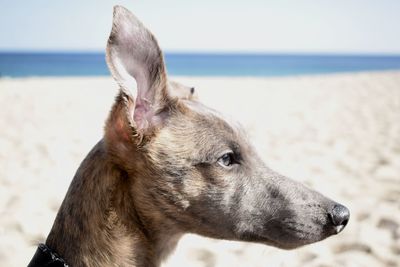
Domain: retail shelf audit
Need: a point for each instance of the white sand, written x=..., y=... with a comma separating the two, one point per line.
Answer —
x=339, y=134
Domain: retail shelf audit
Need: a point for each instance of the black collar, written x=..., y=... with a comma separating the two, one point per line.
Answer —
x=45, y=257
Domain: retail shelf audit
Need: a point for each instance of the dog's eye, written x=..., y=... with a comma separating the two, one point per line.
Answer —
x=226, y=160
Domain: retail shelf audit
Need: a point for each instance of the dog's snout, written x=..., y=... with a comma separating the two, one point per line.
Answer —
x=339, y=217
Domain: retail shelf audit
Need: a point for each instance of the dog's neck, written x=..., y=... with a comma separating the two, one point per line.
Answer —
x=97, y=225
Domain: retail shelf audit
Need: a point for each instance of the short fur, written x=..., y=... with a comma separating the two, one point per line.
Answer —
x=167, y=166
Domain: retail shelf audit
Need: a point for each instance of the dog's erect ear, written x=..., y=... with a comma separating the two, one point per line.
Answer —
x=137, y=64
x=182, y=91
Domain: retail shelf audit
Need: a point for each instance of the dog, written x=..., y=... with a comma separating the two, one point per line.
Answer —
x=168, y=165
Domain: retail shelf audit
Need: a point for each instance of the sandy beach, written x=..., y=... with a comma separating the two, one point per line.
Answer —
x=339, y=134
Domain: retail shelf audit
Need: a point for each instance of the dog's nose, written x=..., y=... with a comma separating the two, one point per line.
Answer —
x=339, y=217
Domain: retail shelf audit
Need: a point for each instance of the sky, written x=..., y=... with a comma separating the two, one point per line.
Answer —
x=271, y=26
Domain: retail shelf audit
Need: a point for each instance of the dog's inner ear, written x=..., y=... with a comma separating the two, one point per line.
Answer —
x=137, y=64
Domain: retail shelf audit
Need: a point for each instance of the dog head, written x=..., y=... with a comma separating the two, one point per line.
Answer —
x=190, y=167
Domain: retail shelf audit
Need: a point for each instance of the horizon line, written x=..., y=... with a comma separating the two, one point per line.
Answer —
x=206, y=52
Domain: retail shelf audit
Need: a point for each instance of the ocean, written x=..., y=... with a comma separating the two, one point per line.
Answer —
x=201, y=64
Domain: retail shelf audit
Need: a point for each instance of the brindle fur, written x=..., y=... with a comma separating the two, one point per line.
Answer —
x=156, y=174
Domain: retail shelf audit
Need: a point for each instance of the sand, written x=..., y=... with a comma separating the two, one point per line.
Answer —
x=339, y=134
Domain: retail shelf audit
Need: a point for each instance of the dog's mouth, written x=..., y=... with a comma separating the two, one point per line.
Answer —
x=293, y=235
x=294, y=232
x=287, y=237
x=297, y=231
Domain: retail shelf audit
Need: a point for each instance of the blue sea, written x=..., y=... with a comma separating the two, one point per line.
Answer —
x=190, y=64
